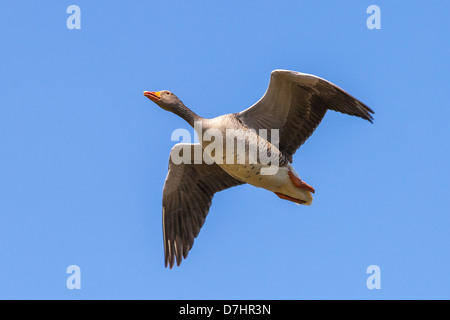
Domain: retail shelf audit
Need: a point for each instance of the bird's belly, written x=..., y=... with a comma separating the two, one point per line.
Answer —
x=255, y=161
x=278, y=182
x=254, y=174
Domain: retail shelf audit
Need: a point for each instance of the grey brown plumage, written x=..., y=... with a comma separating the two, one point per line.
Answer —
x=187, y=196
x=295, y=103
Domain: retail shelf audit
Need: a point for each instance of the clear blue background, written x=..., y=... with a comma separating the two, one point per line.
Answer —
x=84, y=154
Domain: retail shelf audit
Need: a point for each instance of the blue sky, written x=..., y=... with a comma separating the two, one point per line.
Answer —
x=84, y=154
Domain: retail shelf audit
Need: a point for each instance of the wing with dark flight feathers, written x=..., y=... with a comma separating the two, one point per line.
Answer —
x=295, y=103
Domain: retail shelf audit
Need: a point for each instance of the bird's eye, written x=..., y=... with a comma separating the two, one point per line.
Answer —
x=167, y=92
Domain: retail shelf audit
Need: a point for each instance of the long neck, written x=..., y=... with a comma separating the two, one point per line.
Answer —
x=187, y=114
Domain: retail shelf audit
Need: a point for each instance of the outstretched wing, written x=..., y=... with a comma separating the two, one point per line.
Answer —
x=187, y=196
x=295, y=103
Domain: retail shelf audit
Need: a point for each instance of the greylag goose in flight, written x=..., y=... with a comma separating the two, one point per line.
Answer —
x=294, y=104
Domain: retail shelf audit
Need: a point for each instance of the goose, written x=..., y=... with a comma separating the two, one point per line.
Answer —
x=293, y=105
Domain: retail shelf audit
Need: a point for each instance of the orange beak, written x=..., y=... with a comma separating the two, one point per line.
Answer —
x=154, y=96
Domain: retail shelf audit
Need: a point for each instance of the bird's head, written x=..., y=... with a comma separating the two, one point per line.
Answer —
x=165, y=99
